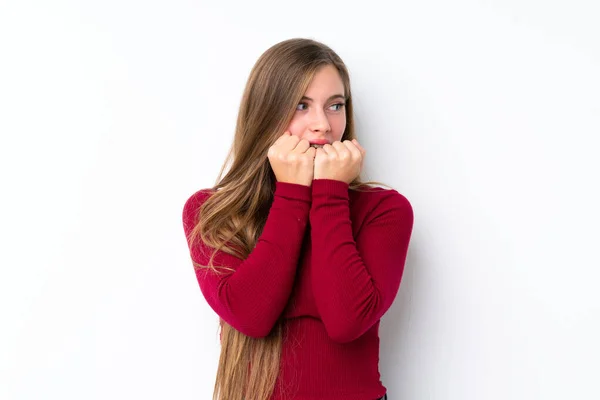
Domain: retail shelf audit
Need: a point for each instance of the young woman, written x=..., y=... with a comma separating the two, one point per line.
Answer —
x=297, y=256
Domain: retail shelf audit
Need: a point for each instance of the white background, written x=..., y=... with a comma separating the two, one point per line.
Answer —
x=484, y=114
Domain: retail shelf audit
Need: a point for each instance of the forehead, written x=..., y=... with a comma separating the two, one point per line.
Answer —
x=326, y=82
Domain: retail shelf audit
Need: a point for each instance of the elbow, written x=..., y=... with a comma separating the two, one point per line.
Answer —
x=344, y=333
x=256, y=332
x=345, y=328
x=253, y=328
x=243, y=318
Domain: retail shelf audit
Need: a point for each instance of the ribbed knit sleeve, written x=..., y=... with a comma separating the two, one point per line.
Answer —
x=252, y=297
x=356, y=281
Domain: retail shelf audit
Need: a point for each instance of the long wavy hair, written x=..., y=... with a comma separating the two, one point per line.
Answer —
x=232, y=218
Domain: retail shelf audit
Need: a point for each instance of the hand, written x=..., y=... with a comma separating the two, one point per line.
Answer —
x=341, y=161
x=292, y=159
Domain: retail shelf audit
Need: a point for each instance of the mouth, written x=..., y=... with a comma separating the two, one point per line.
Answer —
x=316, y=143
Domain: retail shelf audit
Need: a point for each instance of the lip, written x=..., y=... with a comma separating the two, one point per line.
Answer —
x=319, y=141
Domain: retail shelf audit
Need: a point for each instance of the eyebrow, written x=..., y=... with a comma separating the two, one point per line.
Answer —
x=335, y=96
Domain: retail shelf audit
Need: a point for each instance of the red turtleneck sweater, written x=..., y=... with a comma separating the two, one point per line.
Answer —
x=329, y=260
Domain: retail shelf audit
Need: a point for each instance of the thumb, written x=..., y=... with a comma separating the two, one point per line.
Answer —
x=362, y=149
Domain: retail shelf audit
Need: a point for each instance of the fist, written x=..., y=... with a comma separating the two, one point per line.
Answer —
x=292, y=159
x=341, y=161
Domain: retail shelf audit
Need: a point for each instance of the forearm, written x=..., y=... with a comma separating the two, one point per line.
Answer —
x=356, y=281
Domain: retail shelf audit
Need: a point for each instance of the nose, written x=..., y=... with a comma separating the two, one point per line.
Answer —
x=319, y=122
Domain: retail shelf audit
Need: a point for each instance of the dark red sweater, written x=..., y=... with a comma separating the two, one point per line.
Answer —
x=331, y=260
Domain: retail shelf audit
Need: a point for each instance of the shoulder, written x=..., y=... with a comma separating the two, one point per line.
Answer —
x=192, y=205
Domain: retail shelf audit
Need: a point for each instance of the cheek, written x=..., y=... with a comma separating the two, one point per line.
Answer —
x=338, y=125
x=296, y=126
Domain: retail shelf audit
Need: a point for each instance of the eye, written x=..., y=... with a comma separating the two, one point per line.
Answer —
x=300, y=106
x=338, y=105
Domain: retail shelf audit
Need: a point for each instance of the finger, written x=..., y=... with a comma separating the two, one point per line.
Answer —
x=282, y=137
x=342, y=149
x=289, y=142
x=352, y=148
x=277, y=144
x=362, y=149
x=328, y=149
x=301, y=146
x=363, y=153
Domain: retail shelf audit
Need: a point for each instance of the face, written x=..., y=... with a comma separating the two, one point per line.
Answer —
x=321, y=115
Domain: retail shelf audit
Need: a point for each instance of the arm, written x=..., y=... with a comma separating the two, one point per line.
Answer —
x=355, y=282
x=252, y=297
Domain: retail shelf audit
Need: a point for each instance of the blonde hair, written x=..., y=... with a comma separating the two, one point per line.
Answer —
x=232, y=218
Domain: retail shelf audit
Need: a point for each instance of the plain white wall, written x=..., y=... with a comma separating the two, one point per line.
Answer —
x=485, y=114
